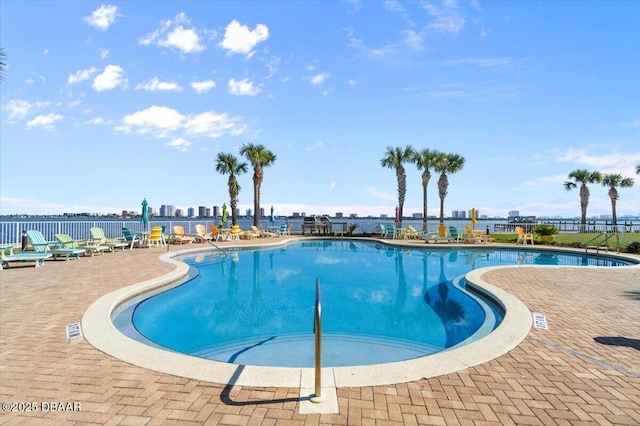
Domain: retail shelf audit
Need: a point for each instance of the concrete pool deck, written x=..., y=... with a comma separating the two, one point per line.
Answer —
x=583, y=369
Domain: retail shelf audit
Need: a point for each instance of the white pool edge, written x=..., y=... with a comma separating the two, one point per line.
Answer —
x=100, y=332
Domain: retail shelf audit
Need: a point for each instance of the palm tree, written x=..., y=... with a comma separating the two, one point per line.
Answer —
x=614, y=181
x=259, y=157
x=393, y=159
x=446, y=164
x=582, y=177
x=425, y=160
x=638, y=169
x=228, y=164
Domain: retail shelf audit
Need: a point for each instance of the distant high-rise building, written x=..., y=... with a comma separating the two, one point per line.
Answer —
x=216, y=211
x=339, y=215
x=262, y=212
x=202, y=211
x=477, y=213
x=514, y=213
x=191, y=212
x=167, y=210
x=417, y=215
x=179, y=213
x=353, y=215
x=249, y=212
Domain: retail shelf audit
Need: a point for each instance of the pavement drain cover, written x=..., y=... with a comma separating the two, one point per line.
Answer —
x=74, y=332
x=540, y=321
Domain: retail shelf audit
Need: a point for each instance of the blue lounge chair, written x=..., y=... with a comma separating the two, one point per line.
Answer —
x=8, y=256
x=40, y=245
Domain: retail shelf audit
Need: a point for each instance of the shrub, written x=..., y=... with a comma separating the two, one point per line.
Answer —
x=545, y=229
x=633, y=247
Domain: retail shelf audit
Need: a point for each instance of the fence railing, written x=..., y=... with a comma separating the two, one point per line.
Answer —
x=11, y=232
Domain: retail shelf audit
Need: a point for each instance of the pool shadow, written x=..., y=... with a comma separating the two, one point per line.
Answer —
x=618, y=341
x=226, y=399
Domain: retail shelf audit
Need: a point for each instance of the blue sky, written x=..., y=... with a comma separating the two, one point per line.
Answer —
x=103, y=104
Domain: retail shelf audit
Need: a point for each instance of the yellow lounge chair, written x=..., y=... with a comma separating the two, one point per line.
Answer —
x=180, y=237
x=523, y=237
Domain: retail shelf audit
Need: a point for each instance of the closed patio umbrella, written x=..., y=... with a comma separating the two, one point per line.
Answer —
x=224, y=213
x=145, y=214
x=473, y=217
x=272, y=218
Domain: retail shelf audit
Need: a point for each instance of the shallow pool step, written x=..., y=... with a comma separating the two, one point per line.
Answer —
x=297, y=350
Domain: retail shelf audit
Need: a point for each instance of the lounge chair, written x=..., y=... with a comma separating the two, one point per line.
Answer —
x=131, y=238
x=180, y=237
x=68, y=242
x=411, y=233
x=523, y=237
x=261, y=233
x=40, y=245
x=390, y=231
x=98, y=237
x=21, y=257
x=201, y=234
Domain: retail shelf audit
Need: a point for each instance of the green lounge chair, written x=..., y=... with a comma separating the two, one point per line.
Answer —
x=8, y=256
x=68, y=242
x=130, y=237
x=40, y=245
x=97, y=236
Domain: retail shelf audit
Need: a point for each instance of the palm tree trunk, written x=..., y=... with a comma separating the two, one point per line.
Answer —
x=584, y=202
x=426, y=176
x=443, y=185
x=613, y=194
x=402, y=191
x=256, y=204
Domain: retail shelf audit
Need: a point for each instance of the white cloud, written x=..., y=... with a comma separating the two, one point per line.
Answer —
x=103, y=53
x=446, y=17
x=167, y=123
x=243, y=87
x=110, y=78
x=352, y=82
x=318, y=145
x=633, y=124
x=180, y=144
x=19, y=108
x=173, y=34
x=155, y=85
x=318, y=79
x=614, y=162
x=239, y=39
x=382, y=195
x=393, y=6
x=81, y=75
x=202, y=86
x=103, y=17
x=381, y=52
x=412, y=39
x=96, y=121
x=45, y=121
x=332, y=185
x=155, y=119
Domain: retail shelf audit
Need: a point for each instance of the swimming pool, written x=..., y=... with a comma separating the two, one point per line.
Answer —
x=380, y=303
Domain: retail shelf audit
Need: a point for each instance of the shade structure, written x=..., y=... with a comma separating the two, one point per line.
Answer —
x=224, y=213
x=473, y=217
x=144, y=218
x=272, y=218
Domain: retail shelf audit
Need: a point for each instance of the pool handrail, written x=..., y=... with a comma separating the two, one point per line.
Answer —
x=317, y=330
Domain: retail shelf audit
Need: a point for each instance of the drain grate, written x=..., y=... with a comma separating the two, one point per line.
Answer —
x=588, y=358
x=540, y=320
x=74, y=332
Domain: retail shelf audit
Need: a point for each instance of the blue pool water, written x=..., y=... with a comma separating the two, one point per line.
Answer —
x=379, y=303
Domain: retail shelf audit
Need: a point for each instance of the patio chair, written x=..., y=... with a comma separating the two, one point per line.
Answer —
x=215, y=233
x=261, y=233
x=40, y=245
x=131, y=238
x=155, y=236
x=67, y=242
x=180, y=237
x=523, y=237
x=97, y=236
x=201, y=234
x=7, y=256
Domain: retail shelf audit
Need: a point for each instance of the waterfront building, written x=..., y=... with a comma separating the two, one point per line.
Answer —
x=167, y=210
x=216, y=211
x=339, y=215
x=191, y=212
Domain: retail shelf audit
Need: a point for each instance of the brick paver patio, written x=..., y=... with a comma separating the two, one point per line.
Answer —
x=585, y=369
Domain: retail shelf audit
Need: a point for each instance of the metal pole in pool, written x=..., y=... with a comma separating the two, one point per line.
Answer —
x=317, y=329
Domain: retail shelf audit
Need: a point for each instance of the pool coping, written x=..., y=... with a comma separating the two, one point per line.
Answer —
x=99, y=331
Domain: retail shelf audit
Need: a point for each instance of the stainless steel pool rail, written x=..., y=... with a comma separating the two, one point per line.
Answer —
x=602, y=243
x=317, y=330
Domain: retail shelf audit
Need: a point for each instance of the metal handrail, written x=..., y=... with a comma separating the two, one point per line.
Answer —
x=607, y=236
x=317, y=329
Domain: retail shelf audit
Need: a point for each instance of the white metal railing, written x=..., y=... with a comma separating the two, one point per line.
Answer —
x=11, y=231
